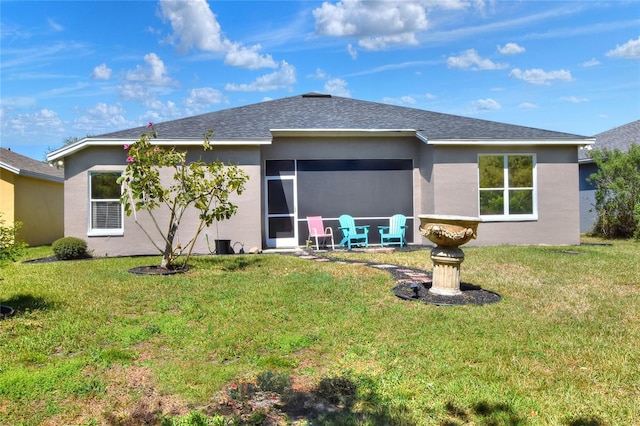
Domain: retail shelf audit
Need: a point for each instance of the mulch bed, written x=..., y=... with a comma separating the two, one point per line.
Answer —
x=471, y=295
x=158, y=270
x=414, y=284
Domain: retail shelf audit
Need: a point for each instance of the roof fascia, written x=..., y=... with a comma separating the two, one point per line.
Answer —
x=28, y=173
x=9, y=168
x=87, y=142
x=41, y=176
x=343, y=132
x=511, y=142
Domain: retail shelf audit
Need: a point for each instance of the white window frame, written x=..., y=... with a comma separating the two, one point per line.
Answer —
x=511, y=217
x=102, y=232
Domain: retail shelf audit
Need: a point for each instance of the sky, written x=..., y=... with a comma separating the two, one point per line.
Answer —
x=84, y=68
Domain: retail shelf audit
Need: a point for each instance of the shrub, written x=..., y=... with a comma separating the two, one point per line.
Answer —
x=617, y=184
x=10, y=247
x=68, y=248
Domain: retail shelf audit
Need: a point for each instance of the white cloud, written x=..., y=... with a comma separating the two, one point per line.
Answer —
x=248, y=57
x=44, y=120
x=201, y=98
x=160, y=111
x=591, y=63
x=54, y=25
x=283, y=78
x=154, y=73
x=337, y=87
x=380, y=24
x=353, y=52
x=539, y=76
x=196, y=26
x=402, y=100
x=574, y=99
x=101, y=118
x=510, y=49
x=629, y=50
x=101, y=72
x=319, y=74
x=430, y=96
x=527, y=105
x=375, y=24
x=482, y=105
x=134, y=92
x=471, y=60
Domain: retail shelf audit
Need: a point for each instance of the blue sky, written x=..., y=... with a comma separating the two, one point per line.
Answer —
x=78, y=68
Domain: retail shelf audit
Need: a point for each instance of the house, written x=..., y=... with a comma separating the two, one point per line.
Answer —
x=619, y=138
x=317, y=154
x=31, y=192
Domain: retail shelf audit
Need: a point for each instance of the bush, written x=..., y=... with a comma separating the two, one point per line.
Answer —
x=617, y=184
x=10, y=247
x=68, y=248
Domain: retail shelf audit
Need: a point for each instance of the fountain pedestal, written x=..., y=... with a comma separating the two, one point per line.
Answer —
x=446, y=271
x=448, y=233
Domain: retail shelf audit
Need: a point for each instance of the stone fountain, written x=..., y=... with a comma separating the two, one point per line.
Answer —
x=448, y=233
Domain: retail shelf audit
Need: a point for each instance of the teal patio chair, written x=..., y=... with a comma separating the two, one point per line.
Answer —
x=352, y=234
x=394, y=233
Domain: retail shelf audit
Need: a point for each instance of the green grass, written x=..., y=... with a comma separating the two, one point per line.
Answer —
x=93, y=344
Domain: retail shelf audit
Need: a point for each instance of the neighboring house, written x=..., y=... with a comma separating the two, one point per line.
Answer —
x=31, y=192
x=619, y=138
x=325, y=155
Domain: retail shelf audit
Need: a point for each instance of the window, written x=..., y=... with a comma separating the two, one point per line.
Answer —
x=507, y=186
x=105, y=214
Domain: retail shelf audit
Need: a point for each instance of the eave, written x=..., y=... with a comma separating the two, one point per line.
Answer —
x=67, y=150
x=28, y=173
x=508, y=142
x=342, y=132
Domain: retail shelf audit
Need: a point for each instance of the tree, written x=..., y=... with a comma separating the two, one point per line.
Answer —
x=617, y=183
x=203, y=186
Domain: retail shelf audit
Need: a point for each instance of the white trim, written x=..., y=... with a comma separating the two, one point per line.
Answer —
x=586, y=161
x=510, y=217
x=282, y=242
x=343, y=132
x=28, y=173
x=10, y=168
x=102, y=232
x=105, y=233
x=510, y=142
x=87, y=142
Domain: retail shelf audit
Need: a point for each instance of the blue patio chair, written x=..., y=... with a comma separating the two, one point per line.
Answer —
x=394, y=233
x=352, y=234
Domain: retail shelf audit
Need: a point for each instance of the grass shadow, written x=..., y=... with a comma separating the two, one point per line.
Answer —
x=583, y=421
x=485, y=413
x=26, y=302
x=339, y=400
x=230, y=263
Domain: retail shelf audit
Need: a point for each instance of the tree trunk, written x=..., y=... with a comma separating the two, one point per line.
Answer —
x=167, y=254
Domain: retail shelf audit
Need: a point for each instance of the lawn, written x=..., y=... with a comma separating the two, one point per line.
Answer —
x=276, y=339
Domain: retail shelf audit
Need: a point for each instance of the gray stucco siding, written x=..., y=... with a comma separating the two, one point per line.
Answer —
x=244, y=227
x=455, y=192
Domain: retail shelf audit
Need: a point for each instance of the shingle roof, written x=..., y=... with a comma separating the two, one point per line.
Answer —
x=620, y=138
x=315, y=111
x=26, y=166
